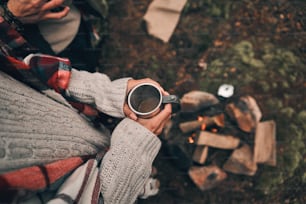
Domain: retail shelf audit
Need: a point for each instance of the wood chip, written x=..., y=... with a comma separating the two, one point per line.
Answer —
x=245, y=112
x=206, y=177
x=241, y=161
x=200, y=154
x=217, y=140
x=189, y=126
x=265, y=143
x=195, y=100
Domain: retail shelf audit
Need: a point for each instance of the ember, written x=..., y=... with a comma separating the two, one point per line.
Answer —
x=190, y=140
x=210, y=126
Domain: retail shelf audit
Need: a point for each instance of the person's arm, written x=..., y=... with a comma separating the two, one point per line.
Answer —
x=97, y=90
x=127, y=165
x=82, y=89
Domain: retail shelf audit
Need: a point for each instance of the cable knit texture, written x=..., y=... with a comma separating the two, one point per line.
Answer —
x=97, y=89
x=35, y=129
x=123, y=177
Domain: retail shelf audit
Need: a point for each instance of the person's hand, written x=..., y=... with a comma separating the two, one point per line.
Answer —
x=131, y=84
x=34, y=11
x=157, y=123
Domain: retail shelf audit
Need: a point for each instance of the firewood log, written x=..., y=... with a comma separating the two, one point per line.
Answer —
x=189, y=126
x=217, y=140
x=200, y=154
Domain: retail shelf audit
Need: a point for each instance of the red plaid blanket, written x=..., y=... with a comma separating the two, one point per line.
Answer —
x=41, y=72
x=39, y=177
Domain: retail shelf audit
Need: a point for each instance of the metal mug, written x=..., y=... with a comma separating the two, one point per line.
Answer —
x=146, y=100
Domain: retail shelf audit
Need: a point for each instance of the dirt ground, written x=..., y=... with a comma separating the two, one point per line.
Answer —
x=206, y=31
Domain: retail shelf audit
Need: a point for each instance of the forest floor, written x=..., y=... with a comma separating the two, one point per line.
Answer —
x=207, y=33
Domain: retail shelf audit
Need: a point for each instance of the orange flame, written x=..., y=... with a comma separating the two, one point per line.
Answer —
x=214, y=130
x=190, y=140
x=203, y=126
x=200, y=118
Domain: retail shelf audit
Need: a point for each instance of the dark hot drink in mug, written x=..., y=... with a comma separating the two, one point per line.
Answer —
x=146, y=100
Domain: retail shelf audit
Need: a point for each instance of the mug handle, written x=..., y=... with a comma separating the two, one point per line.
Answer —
x=174, y=100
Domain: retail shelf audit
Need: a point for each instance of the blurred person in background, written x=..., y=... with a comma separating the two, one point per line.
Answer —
x=65, y=28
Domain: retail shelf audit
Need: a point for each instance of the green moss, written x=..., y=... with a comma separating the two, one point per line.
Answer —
x=265, y=86
x=290, y=162
x=256, y=63
x=274, y=70
x=291, y=159
x=303, y=178
x=287, y=112
x=272, y=178
x=285, y=85
x=274, y=104
x=301, y=119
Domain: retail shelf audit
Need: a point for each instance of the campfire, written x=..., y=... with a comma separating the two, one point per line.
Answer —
x=215, y=136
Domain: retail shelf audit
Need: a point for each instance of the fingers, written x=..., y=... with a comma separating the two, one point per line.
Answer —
x=165, y=113
x=129, y=113
x=44, y=16
x=158, y=122
x=52, y=4
x=160, y=129
x=56, y=15
x=34, y=11
x=132, y=116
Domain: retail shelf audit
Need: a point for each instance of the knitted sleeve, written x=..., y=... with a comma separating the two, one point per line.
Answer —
x=98, y=90
x=127, y=165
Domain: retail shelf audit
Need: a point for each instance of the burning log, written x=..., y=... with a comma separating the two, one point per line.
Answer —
x=217, y=140
x=241, y=161
x=189, y=126
x=200, y=154
x=214, y=150
x=265, y=143
x=245, y=112
x=206, y=177
x=195, y=100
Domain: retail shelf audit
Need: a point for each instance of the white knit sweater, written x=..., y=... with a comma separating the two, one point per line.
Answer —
x=36, y=129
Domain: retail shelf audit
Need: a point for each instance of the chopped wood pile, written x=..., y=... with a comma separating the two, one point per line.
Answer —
x=213, y=136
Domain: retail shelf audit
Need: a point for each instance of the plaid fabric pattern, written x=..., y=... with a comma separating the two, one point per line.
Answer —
x=41, y=72
x=39, y=177
x=12, y=43
x=81, y=186
x=88, y=189
x=54, y=72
